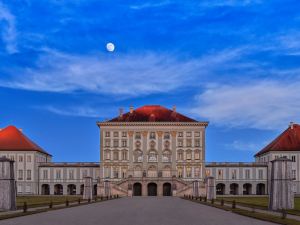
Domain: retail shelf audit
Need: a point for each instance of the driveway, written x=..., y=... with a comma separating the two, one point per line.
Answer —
x=137, y=211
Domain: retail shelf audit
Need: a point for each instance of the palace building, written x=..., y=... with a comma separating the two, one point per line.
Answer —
x=147, y=151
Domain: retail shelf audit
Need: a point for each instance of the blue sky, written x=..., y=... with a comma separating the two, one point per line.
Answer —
x=233, y=63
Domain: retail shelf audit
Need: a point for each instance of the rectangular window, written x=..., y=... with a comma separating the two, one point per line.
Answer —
x=28, y=175
x=107, y=155
x=20, y=158
x=29, y=158
x=233, y=174
x=116, y=155
x=207, y=173
x=116, y=143
x=180, y=155
x=180, y=134
x=197, y=142
x=84, y=173
x=260, y=174
x=294, y=174
x=20, y=175
x=138, y=135
x=166, y=135
x=45, y=174
x=197, y=134
x=58, y=174
x=293, y=158
x=107, y=143
x=116, y=134
x=124, y=143
x=188, y=143
x=180, y=143
x=220, y=174
x=189, y=134
x=247, y=174
x=124, y=155
x=115, y=173
x=107, y=134
x=71, y=174
x=197, y=155
x=189, y=155
x=124, y=134
x=276, y=156
x=152, y=135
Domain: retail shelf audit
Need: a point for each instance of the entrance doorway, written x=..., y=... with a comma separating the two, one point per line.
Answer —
x=137, y=189
x=167, y=189
x=152, y=189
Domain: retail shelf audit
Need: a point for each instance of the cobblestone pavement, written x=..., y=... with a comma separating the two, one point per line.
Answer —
x=137, y=211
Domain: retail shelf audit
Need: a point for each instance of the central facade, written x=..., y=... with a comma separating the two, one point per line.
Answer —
x=152, y=151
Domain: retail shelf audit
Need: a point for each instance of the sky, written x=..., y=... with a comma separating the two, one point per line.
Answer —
x=234, y=63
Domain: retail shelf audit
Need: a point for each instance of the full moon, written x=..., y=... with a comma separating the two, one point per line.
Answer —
x=110, y=47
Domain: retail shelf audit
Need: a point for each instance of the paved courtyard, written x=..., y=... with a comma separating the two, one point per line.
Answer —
x=137, y=211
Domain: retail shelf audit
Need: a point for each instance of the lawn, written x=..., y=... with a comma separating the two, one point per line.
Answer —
x=256, y=201
x=36, y=201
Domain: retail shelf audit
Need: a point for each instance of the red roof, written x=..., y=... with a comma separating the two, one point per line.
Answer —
x=289, y=140
x=152, y=113
x=12, y=139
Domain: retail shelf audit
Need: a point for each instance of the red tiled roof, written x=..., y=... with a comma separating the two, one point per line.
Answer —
x=152, y=113
x=289, y=140
x=12, y=139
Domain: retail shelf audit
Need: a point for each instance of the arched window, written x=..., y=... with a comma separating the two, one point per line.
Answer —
x=197, y=154
x=188, y=154
x=180, y=155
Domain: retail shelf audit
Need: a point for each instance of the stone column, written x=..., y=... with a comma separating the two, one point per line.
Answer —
x=88, y=188
x=7, y=185
x=159, y=148
x=131, y=148
x=196, y=186
x=174, y=153
x=145, y=150
x=210, y=188
x=281, y=192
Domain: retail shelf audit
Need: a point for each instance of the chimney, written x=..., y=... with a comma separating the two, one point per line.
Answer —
x=174, y=108
x=131, y=109
x=121, y=112
x=292, y=125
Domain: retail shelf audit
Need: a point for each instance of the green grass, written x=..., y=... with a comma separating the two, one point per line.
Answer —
x=256, y=215
x=36, y=201
x=259, y=202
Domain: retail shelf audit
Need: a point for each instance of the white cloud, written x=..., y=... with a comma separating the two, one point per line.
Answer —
x=261, y=104
x=245, y=146
x=8, y=31
x=126, y=75
x=80, y=111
